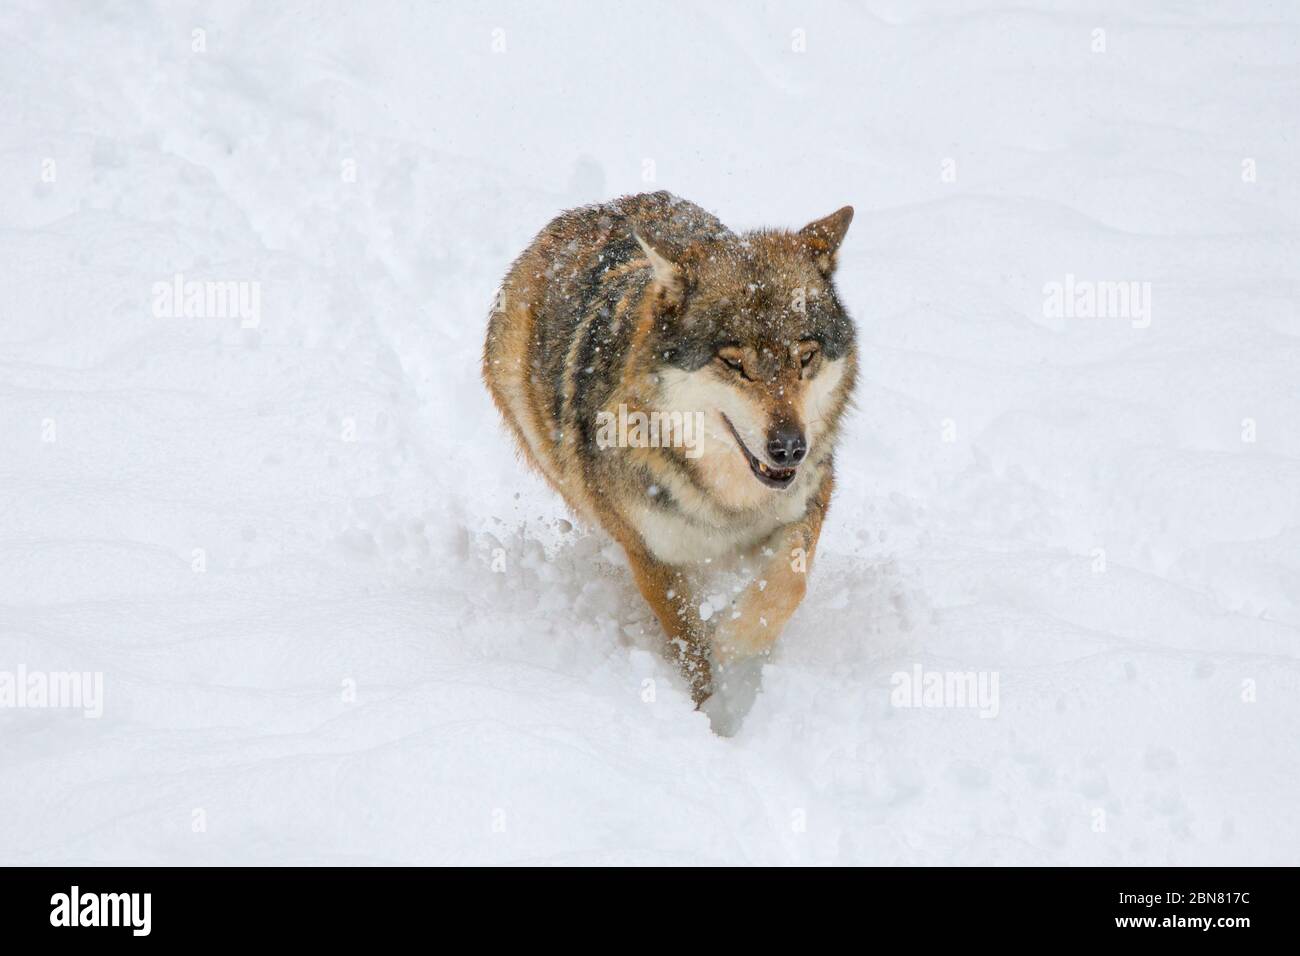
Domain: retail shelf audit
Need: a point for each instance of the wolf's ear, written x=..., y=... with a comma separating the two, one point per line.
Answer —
x=670, y=278
x=824, y=236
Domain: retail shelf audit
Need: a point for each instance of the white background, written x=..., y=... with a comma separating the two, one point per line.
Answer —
x=1148, y=711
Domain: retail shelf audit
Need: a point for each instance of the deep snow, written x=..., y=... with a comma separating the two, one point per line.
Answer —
x=337, y=622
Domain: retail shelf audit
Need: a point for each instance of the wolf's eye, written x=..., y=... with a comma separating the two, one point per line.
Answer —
x=808, y=354
x=733, y=361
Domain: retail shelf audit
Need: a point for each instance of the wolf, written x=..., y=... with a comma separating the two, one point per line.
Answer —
x=648, y=303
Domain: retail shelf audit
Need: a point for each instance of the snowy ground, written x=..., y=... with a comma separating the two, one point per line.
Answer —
x=277, y=543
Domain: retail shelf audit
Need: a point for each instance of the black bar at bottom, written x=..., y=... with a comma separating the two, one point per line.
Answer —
x=338, y=906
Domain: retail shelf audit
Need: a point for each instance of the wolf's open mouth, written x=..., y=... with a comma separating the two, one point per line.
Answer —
x=771, y=476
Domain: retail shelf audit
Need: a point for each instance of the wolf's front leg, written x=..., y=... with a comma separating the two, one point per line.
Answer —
x=670, y=595
x=759, y=613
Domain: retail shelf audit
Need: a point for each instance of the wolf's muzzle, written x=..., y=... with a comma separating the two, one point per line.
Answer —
x=772, y=477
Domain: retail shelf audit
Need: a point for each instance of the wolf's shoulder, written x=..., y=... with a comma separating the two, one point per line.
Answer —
x=667, y=216
x=671, y=217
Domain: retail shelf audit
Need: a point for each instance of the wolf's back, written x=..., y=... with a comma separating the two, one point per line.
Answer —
x=564, y=322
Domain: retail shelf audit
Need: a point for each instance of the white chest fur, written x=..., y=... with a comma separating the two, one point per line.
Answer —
x=678, y=538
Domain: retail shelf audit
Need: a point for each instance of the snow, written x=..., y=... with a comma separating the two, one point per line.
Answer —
x=336, y=620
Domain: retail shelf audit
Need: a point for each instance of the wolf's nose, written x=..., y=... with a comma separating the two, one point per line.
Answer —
x=786, y=447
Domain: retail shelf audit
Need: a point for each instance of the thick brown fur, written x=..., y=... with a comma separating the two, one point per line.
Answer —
x=649, y=304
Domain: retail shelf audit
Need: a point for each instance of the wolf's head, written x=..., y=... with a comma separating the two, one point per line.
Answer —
x=749, y=332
